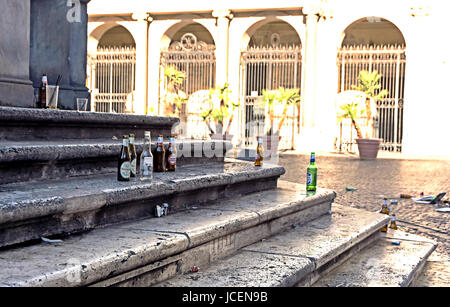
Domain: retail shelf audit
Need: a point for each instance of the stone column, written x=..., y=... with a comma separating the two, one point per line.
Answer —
x=223, y=17
x=15, y=86
x=309, y=62
x=140, y=94
x=58, y=46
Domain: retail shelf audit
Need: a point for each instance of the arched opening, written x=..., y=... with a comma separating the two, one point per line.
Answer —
x=117, y=36
x=187, y=52
x=374, y=44
x=271, y=60
x=112, y=71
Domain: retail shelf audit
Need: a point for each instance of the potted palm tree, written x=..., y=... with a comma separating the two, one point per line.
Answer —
x=174, y=97
x=363, y=115
x=274, y=99
x=221, y=113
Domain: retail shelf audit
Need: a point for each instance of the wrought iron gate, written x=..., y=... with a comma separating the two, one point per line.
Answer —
x=390, y=62
x=268, y=68
x=196, y=59
x=112, y=79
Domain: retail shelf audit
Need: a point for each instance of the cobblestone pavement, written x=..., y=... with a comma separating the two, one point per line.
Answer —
x=389, y=178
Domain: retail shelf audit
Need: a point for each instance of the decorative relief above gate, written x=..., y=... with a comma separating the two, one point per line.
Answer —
x=189, y=42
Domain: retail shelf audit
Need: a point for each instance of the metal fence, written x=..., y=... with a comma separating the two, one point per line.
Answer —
x=112, y=73
x=268, y=68
x=390, y=62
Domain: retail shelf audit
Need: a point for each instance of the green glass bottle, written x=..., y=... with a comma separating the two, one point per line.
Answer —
x=311, y=174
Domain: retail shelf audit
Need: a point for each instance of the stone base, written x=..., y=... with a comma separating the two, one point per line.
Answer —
x=16, y=93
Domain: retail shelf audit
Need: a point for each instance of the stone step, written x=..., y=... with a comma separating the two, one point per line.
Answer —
x=298, y=256
x=24, y=124
x=22, y=161
x=149, y=251
x=384, y=263
x=31, y=210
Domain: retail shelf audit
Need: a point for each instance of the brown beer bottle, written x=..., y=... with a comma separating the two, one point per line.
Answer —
x=124, y=165
x=171, y=161
x=160, y=156
x=259, y=152
x=42, y=96
x=393, y=224
x=133, y=155
x=384, y=210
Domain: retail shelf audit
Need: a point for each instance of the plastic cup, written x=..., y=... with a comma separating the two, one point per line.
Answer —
x=52, y=92
x=82, y=104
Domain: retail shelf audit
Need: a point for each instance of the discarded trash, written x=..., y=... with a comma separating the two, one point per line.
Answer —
x=393, y=224
x=430, y=199
x=330, y=212
x=442, y=210
x=50, y=241
x=394, y=202
x=115, y=138
x=350, y=189
x=195, y=269
x=384, y=210
x=396, y=243
x=162, y=210
x=406, y=196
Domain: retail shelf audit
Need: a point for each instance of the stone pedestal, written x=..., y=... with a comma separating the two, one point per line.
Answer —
x=15, y=85
x=58, y=46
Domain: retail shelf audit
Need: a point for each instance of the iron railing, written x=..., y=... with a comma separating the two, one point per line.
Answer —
x=268, y=68
x=390, y=62
x=112, y=73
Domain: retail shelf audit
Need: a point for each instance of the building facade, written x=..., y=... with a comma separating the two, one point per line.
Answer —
x=318, y=47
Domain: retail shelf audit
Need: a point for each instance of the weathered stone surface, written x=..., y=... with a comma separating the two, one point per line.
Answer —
x=171, y=244
x=15, y=86
x=21, y=124
x=44, y=160
x=84, y=259
x=247, y=269
x=325, y=238
x=54, y=207
x=383, y=264
x=313, y=244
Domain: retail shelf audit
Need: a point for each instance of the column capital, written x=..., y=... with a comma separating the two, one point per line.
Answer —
x=141, y=16
x=222, y=13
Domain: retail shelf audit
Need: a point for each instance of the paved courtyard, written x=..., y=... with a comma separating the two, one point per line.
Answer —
x=386, y=177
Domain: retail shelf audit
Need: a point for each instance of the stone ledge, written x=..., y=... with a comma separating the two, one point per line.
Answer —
x=303, y=250
x=31, y=210
x=105, y=253
x=383, y=264
x=26, y=124
x=64, y=117
x=77, y=149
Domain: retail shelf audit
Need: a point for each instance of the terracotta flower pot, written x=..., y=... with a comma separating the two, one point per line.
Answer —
x=368, y=148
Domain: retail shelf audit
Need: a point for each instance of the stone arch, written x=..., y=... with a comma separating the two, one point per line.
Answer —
x=367, y=30
x=98, y=32
x=196, y=27
x=246, y=40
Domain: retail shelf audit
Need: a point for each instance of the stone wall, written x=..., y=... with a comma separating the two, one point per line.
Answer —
x=58, y=46
x=15, y=84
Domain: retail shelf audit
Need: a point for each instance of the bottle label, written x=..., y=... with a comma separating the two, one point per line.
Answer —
x=133, y=166
x=131, y=140
x=309, y=178
x=125, y=169
x=125, y=142
x=172, y=141
x=148, y=166
x=160, y=141
x=172, y=159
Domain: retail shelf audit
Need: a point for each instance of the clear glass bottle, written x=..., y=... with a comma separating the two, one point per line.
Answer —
x=146, y=161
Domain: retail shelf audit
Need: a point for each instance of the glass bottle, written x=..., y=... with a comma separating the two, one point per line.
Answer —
x=146, y=160
x=311, y=174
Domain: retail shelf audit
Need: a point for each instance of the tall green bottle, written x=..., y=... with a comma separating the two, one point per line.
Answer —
x=311, y=174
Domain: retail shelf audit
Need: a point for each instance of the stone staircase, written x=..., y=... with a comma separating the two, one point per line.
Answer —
x=238, y=224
